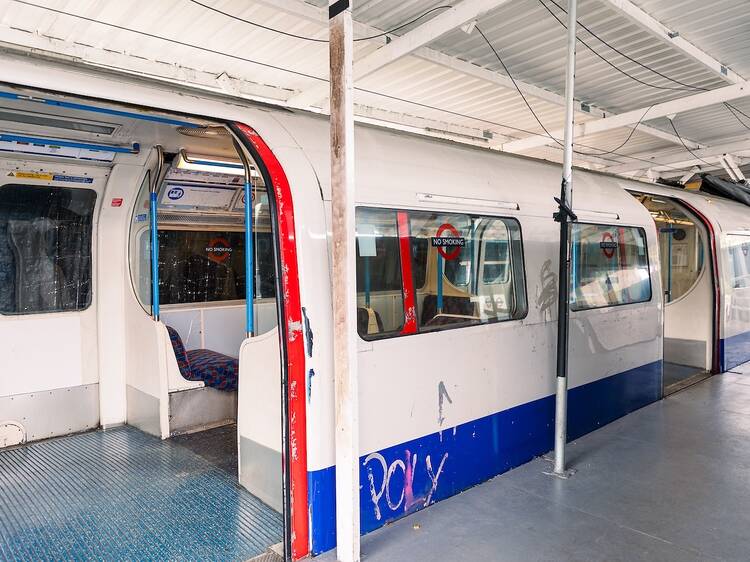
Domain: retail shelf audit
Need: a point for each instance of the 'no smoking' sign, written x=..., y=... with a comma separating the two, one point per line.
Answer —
x=448, y=246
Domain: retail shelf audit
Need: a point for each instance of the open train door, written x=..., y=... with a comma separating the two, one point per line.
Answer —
x=271, y=420
x=688, y=270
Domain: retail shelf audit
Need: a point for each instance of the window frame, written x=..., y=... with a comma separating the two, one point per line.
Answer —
x=728, y=236
x=648, y=268
x=458, y=325
x=399, y=331
x=93, y=245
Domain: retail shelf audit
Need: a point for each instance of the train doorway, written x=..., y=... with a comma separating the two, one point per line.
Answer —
x=689, y=291
x=126, y=268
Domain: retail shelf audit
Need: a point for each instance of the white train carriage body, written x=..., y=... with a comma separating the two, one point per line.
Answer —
x=450, y=399
x=705, y=254
x=457, y=351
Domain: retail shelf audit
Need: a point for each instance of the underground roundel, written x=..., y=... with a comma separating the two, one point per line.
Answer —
x=448, y=241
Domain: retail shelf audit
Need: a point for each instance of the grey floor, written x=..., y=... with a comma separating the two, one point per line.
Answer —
x=670, y=482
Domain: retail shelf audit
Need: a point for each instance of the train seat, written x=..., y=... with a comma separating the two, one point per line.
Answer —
x=214, y=369
x=455, y=309
x=369, y=321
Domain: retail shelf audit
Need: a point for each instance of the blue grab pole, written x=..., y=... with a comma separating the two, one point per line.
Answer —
x=439, y=283
x=249, y=268
x=367, y=281
x=154, y=258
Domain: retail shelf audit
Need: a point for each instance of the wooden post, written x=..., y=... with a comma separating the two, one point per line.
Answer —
x=344, y=281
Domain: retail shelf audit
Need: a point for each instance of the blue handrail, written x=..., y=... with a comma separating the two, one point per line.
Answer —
x=154, y=258
x=249, y=266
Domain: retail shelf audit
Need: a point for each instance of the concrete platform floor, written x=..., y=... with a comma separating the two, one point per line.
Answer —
x=670, y=482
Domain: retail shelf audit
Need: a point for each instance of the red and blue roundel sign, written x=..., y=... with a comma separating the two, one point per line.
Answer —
x=448, y=246
x=608, y=245
x=218, y=249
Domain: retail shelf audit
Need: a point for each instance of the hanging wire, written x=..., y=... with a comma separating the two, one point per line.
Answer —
x=311, y=76
x=688, y=87
x=671, y=122
x=313, y=39
x=538, y=120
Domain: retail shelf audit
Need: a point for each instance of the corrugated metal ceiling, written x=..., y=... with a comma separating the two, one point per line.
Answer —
x=185, y=42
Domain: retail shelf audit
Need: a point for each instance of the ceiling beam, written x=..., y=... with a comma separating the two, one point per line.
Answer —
x=504, y=80
x=405, y=44
x=309, y=12
x=681, y=159
x=687, y=103
x=672, y=37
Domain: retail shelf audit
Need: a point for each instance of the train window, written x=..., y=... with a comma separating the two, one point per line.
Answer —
x=609, y=266
x=45, y=248
x=201, y=266
x=380, y=300
x=739, y=256
x=474, y=269
x=681, y=245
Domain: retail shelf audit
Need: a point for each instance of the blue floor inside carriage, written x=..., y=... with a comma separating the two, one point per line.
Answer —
x=124, y=495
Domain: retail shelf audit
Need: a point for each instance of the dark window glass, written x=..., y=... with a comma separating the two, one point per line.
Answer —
x=198, y=266
x=45, y=248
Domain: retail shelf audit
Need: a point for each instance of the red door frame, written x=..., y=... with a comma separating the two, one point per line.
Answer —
x=292, y=345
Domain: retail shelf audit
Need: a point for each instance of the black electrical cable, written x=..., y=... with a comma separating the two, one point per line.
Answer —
x=305, y=38
x=671, y=122
x=538, y=120
x=298, y=73
x=610, y=63
x=732, y=110
x=619, y=52
x=692, y=87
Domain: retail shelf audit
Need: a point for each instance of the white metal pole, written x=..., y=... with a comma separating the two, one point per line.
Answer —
x=344, y=281
x=566, y=197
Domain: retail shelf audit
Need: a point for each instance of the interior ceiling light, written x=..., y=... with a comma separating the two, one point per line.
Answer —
x=214, y=164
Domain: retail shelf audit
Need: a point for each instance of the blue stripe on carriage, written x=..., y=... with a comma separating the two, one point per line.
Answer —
x=407, y=477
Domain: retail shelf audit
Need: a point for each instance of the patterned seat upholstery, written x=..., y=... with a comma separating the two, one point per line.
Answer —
x=214, y=369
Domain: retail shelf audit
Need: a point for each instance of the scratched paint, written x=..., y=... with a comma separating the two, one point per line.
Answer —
x=310, y=375
x=308, y=333
x=442, y=395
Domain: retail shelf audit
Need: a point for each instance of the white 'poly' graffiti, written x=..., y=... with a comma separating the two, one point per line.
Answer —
x=406, y=491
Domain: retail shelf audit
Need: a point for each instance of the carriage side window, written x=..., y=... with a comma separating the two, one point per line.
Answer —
x=609, y=266
x=473, y=269
x=380, y=300
x=739, y=257
x=45, y=248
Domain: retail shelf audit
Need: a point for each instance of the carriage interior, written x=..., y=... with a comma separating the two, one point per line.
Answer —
x=76, y=274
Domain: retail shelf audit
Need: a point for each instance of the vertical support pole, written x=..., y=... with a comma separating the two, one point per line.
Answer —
x=566, y=203
x=154, y=226
x=344, y=282
x=366, y=261
x=249, y=263
x=249, y=250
